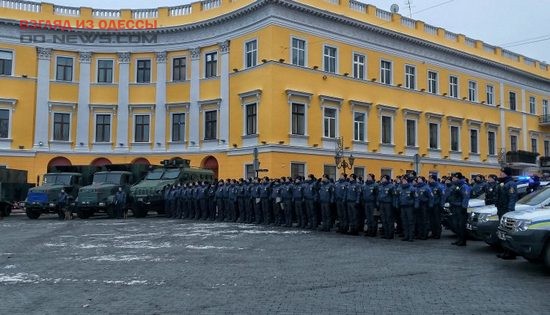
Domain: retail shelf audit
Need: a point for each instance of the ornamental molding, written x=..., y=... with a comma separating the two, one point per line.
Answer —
x=224, y=47
x=85, y=57
x=123, y=57
x=43, y=53
x=160, y=56
x=195, y=53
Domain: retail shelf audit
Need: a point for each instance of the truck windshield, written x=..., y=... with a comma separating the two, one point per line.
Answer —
x=171, y=174
x=107, y=178
x=59, y=179
x=535, y=198
x=156, y=174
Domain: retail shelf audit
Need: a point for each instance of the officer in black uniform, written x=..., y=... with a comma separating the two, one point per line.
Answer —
x=424, y=202
x=507, y=195
x=406, y=202
x=385, y=202
x=120, y=203
x=491, y=190
x=265, y=195
x=340, y=190
x=298, y=199
x=438, y=191
x=353, y=199
x=458, y=198
x=288, y=207
x=326, y=197
x=370, y=194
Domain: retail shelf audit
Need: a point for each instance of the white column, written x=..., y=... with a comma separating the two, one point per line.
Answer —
x=122, y=112
x=224, y=94
x=42, y=99
x=83, y=112
x=502, y=118
x=194, y=99
x=160, y=108
x=524, y=130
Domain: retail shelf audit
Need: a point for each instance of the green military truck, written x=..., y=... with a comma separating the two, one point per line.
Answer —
x=100, y=195
x=13, y=189
x=43, y=199
x=148, y=194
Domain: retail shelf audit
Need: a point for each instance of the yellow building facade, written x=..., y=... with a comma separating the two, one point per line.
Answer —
x=213, y=80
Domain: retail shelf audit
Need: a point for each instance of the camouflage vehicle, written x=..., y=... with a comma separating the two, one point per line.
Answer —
x=13, y=189
x=148, y=195
x=43, y=199
x=100, y=195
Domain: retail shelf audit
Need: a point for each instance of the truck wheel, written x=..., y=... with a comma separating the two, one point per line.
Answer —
x=33, y=214
x=139, y=212
x=111, y=212
x=546, y=256
x=83, y=214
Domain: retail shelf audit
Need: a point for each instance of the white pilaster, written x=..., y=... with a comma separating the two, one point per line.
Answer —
x=524, y=130
x=194, y=99
x=224, y=94
x=122, y=112
x=42, y=99
x=160, y=108
x=502, y=118
x=83, y=112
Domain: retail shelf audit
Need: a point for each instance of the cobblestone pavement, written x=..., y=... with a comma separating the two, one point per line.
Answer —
x=161, y=266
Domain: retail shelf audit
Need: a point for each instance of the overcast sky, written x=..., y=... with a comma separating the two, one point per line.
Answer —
x=518, y=25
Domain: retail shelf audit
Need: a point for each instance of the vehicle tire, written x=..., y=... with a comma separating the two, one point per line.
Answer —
x=546, y=256
x=138, y=212
x=111, y=213
x=33, y=215
x=61, y=214
x=6, y=211
x=83, y=214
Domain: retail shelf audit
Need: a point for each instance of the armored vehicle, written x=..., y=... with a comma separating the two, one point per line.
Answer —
x=43, y=199
x=100, y=195
x=148, y=194
x=13, y=189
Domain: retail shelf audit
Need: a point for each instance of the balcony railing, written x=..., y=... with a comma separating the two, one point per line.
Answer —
x=544, y=161
x=544, y=119
x=521, y=157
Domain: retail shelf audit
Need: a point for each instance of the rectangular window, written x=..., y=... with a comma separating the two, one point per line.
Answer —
x=178, y=127
x=386, y=171
x=513, y=143
x=359, y=66
x=329, y=59
x=329, y=123
x=453, y=86
x=386, y=130
x=249, y=170
x=211, y=65
x=104, y=71
x=6, y=62
x=473, y=141
x=298, y=52
x=534, y=145
x=472, y=91
x=141, y=128
x=251, y=120
x=411, y=133
x=102, y=128
x=546, y=148
x=512, y=99
x=330, y=170
x=359, y=126
x=455, y=138
x=359, y=171
x=410, y=77
x=64, y=69
x=298, y=119
x=432, y=82
x=143, y=71
x=210, y=125
x=251, y=53
x=532, y=105
x=179, y=69
x=4, y=123
x=434, y=136
x=491, y=142
x=61, y=126
x=490, y=95
x=297, y=170
x=545, y=107
x=385, y=72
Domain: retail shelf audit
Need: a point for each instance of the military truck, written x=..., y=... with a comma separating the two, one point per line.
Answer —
x=43, y=199
x=13, y=189
x=100, y=195
x=148, y=194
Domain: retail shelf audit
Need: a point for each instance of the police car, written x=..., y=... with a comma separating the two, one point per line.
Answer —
x=483, y=221
x=527, y=233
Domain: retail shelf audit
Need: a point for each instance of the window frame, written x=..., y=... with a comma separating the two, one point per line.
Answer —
x=57, y=68
x=415, y=138
x=476, y=130
x=292, y=48
x=454, y=88
x=434, y=81
x=534, y=144
x=98, y=60
x=330, y=120
x=136, y=126
x=138, y=69
x=294, y=164
x=490, y=100
x=254, y=52
x=172, y=74
x=407, y=75
x=205, y=125
x=10, y=124
x=362, y=75
x=304, y=115
x=472, y=91
x=391, y=135
x=532, y=105
x=514, y=144
x=451, y=138
x=207, y=63
x=330, y=58
x=515, y=103
x=247, y=116
x=492, y=147
x=183, y=128
x=12, y=68
x=69, y=133
x=383, y=70
x=110, y=127
x=363, y=127
x=438, y=135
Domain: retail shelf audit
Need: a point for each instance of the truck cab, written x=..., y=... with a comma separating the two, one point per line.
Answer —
x=43, y=199
x=527, y=233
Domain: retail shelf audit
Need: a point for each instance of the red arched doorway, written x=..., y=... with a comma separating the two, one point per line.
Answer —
x=101, y=162
x=59, y=161
x=141, y=160
x=210, y=163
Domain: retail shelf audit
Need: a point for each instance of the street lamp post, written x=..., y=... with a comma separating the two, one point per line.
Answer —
x=339, y=159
